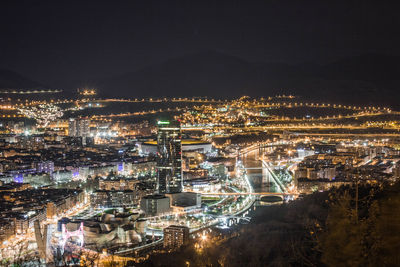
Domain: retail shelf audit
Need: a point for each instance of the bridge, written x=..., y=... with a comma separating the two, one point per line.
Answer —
x=247, y=194
x=65, y=235
x=268, y=173
x=258, y=196
x=271, y=174
x=262, y=146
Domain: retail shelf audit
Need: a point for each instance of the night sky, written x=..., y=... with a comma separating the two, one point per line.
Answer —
x=62, y=42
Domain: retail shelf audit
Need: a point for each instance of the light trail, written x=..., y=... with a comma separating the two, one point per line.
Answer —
x=247, y=194
x=10, y=91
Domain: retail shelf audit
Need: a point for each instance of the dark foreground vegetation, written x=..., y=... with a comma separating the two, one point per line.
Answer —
x=323, y=229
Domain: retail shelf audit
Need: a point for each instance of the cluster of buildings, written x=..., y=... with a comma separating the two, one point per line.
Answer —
x=116, y=192
x=343, y=163
x=22, y=205
x=121, y=166
x=119, y=176
x=119, y=192
x=169, y=196
x=46, y=160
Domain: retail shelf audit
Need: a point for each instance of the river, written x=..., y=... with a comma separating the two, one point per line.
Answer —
x=257, y=176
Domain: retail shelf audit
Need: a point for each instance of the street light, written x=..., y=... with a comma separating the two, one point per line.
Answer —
x=203, y=237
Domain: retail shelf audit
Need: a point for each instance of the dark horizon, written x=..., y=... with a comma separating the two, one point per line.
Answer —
x=67, y=44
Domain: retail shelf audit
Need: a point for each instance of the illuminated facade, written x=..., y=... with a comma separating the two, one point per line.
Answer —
x=118, y=184
x=79, y=127
x=175, y=236
x=155, y=204
x=169, y=157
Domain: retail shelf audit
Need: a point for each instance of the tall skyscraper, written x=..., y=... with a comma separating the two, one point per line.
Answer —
x=72, y=127
x=169, y=157
x=79, y=127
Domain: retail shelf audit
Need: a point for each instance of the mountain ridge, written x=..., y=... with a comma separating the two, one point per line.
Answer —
x=366, y=79
x=213, y=74
x=13, y=80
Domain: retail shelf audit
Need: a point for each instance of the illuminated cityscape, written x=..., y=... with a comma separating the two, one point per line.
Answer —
x=256, y=152
x=142, y=188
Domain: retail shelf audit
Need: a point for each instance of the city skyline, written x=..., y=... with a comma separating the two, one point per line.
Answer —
x=183, y=174
x=199, y=133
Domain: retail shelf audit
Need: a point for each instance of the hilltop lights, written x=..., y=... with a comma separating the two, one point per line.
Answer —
x=87, y=92
x=42, y=113
x=258, y=114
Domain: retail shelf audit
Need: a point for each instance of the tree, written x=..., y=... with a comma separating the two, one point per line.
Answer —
x=342, y=242
x=370, y=239
x=384, y=238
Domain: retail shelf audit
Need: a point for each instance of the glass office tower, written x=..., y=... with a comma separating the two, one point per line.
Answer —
x=169, y=157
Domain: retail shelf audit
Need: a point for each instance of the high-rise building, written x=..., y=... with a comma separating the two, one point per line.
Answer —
x=169, y=157
x=72, y=127
x=79, y=127
x=45, y=166
x=175, y=236
x=83, y=128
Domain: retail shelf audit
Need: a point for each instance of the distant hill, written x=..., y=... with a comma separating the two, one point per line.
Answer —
x=373, y=78
x=206, y=73
x=368, y=67
x=361, y=79
x=364, y=79
x=13, y=80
